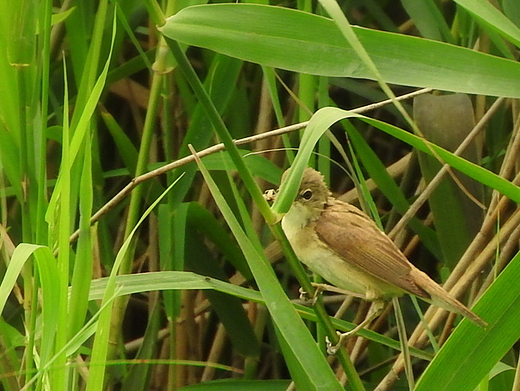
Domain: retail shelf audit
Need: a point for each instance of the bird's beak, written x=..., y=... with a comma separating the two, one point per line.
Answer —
x=270, y=197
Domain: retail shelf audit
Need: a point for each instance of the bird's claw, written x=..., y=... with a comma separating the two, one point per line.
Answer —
x=304, y=295
x=333, y=349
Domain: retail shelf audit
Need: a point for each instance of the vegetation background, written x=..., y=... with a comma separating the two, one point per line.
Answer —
x=124, y=268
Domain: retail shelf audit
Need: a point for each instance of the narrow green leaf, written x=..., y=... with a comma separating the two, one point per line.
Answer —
x=100, y=347
x=326, y=117
x=290, y=326
x=53, y=301
x=128, y=284
x=20, y=255
x=80, y=131
x=259, y=33
x=220, y=128
x=122, y=141
x=471, y=352
x=222, y=76
x=48, y=271
x=239, y=385
x=229, y=309
x=82, y=267
x=488, y=14
x=62, y=16
x=205, y=223
x=428, y=19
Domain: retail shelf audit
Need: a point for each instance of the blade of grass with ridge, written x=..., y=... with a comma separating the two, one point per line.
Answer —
x=100, y=347
x=326, y=117
x=258, y=33
x=471, y=352
x=289, y=324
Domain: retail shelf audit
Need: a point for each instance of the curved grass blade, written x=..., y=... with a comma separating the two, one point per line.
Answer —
x=471, y=352
x=259, y=33
x=326, y=117
x=304, y=350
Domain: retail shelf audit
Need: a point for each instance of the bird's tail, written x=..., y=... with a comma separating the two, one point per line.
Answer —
x=443, y=299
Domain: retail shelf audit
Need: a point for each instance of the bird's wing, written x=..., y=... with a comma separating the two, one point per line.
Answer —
x=359, y=241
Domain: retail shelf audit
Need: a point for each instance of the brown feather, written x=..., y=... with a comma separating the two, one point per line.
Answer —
x=340, y=242
x=359, y=241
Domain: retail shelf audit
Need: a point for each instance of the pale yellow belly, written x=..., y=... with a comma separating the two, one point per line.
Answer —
x=336, y=270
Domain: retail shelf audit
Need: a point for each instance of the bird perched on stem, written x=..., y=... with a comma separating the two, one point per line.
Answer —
x=343, y=245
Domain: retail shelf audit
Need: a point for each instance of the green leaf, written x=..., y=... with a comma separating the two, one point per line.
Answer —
x=49, y=277
x=128, y=284
x=471, y=352
x=100, y=346
x=60, y=17
x=290, y=326
x=491, y=17
x=239, y=385
x=229, y=309
x=428, y=19
x=327, y=116
x=222, y=77
x=259, y=33
x=203, y=221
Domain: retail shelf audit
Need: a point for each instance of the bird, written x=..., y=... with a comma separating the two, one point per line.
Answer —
x=339, y=242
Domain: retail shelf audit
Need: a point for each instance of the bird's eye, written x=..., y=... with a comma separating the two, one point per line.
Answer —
x=307, y=194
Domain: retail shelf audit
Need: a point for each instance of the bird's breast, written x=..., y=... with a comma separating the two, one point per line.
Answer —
x=319, y=258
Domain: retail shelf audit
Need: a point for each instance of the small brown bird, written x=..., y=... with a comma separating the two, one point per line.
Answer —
x=343, y=245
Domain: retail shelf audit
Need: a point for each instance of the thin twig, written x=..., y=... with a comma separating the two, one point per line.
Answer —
x=220, y=147
x=440, y=175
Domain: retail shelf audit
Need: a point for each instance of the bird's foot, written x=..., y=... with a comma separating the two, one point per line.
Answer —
x=331, y=288
x=304, y=296
x=375, y=311
x=318, y=289
x=333, y=349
